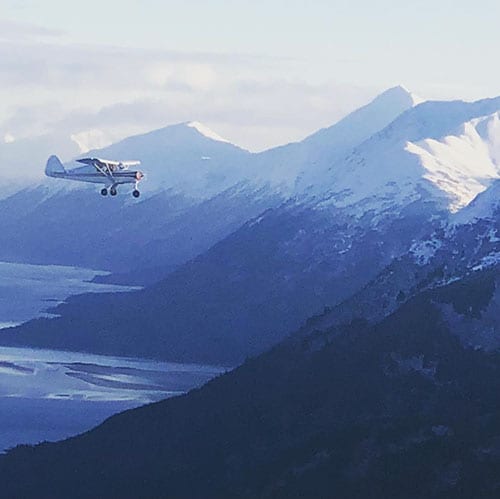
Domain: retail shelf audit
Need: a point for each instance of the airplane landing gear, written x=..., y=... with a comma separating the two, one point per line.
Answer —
x=113, y=191
x=136, y=193
x=104, y=191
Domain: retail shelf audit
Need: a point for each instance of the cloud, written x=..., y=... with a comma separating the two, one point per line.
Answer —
x=17, y=31
x=259, y=119
x=108, y=92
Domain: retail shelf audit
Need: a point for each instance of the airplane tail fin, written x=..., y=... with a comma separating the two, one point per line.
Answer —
x=54, y=167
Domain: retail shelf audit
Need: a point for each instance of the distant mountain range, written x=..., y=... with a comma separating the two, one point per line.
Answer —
x=242, y=258
x=190, y=171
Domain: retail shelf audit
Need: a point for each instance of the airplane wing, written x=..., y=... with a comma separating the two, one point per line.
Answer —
x=103, y=163
x=107, y=164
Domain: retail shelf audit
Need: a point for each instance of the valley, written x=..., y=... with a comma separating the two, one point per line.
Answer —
x=348, y=285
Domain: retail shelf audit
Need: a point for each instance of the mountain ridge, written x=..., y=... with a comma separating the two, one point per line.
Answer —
x=388, y=410
x=246, y=285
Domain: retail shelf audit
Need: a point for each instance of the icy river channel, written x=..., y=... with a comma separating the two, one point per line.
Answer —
x=48, y=395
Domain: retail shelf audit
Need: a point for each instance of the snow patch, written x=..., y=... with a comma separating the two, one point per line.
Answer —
x=415, y=99
x=482, y=207
x=465, y=164
x=492, y=236
x=205, y=131
x=423, y=251
x=488, y=261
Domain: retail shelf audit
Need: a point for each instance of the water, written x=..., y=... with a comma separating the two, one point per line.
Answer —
x=27, y=291
x=49, y=395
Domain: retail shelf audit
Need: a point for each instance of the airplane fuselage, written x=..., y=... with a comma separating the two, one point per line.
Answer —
x=88, y=174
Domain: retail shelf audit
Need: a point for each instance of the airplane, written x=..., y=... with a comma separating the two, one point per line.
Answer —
x=98, y=171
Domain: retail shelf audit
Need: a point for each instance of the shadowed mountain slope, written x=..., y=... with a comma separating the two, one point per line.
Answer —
x=401, y=408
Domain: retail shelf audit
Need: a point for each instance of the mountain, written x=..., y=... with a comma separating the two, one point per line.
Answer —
x=262, y=281
x=236, y=299
x=483, y=207
x=190, y=174
x=439, y=153
x=467, y=243
x=400, y=408
x=301, y=168
x=187, y=158
x=189, y=170
x=388, y=389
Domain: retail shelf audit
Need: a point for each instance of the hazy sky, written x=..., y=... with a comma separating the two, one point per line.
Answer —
x=259, y=73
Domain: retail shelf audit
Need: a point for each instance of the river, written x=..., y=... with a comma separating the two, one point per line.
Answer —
x=49, y=395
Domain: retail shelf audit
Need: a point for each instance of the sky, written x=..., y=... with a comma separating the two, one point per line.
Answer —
x=260, y=73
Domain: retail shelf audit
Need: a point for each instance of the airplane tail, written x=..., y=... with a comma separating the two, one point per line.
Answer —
x=54, y=167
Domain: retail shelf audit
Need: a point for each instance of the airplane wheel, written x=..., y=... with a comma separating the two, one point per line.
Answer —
x=136, y=193
x=104, y=191
x=113, y=192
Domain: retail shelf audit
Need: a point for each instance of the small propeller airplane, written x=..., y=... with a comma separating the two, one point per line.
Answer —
x=98, y=171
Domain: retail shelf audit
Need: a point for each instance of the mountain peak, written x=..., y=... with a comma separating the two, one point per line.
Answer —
x=205, y=131
x=444, y=152
x=399, y=94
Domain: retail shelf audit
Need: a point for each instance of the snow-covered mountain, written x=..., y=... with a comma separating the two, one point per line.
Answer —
x=188, y=159
x=190, y=170
x=462, y=248
x=484, y=206
x=257, y=258
x=192, y=198
x=192, y=159
x=301, y=168
x=442, y=153
x=394, y=245
x=393, y=152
